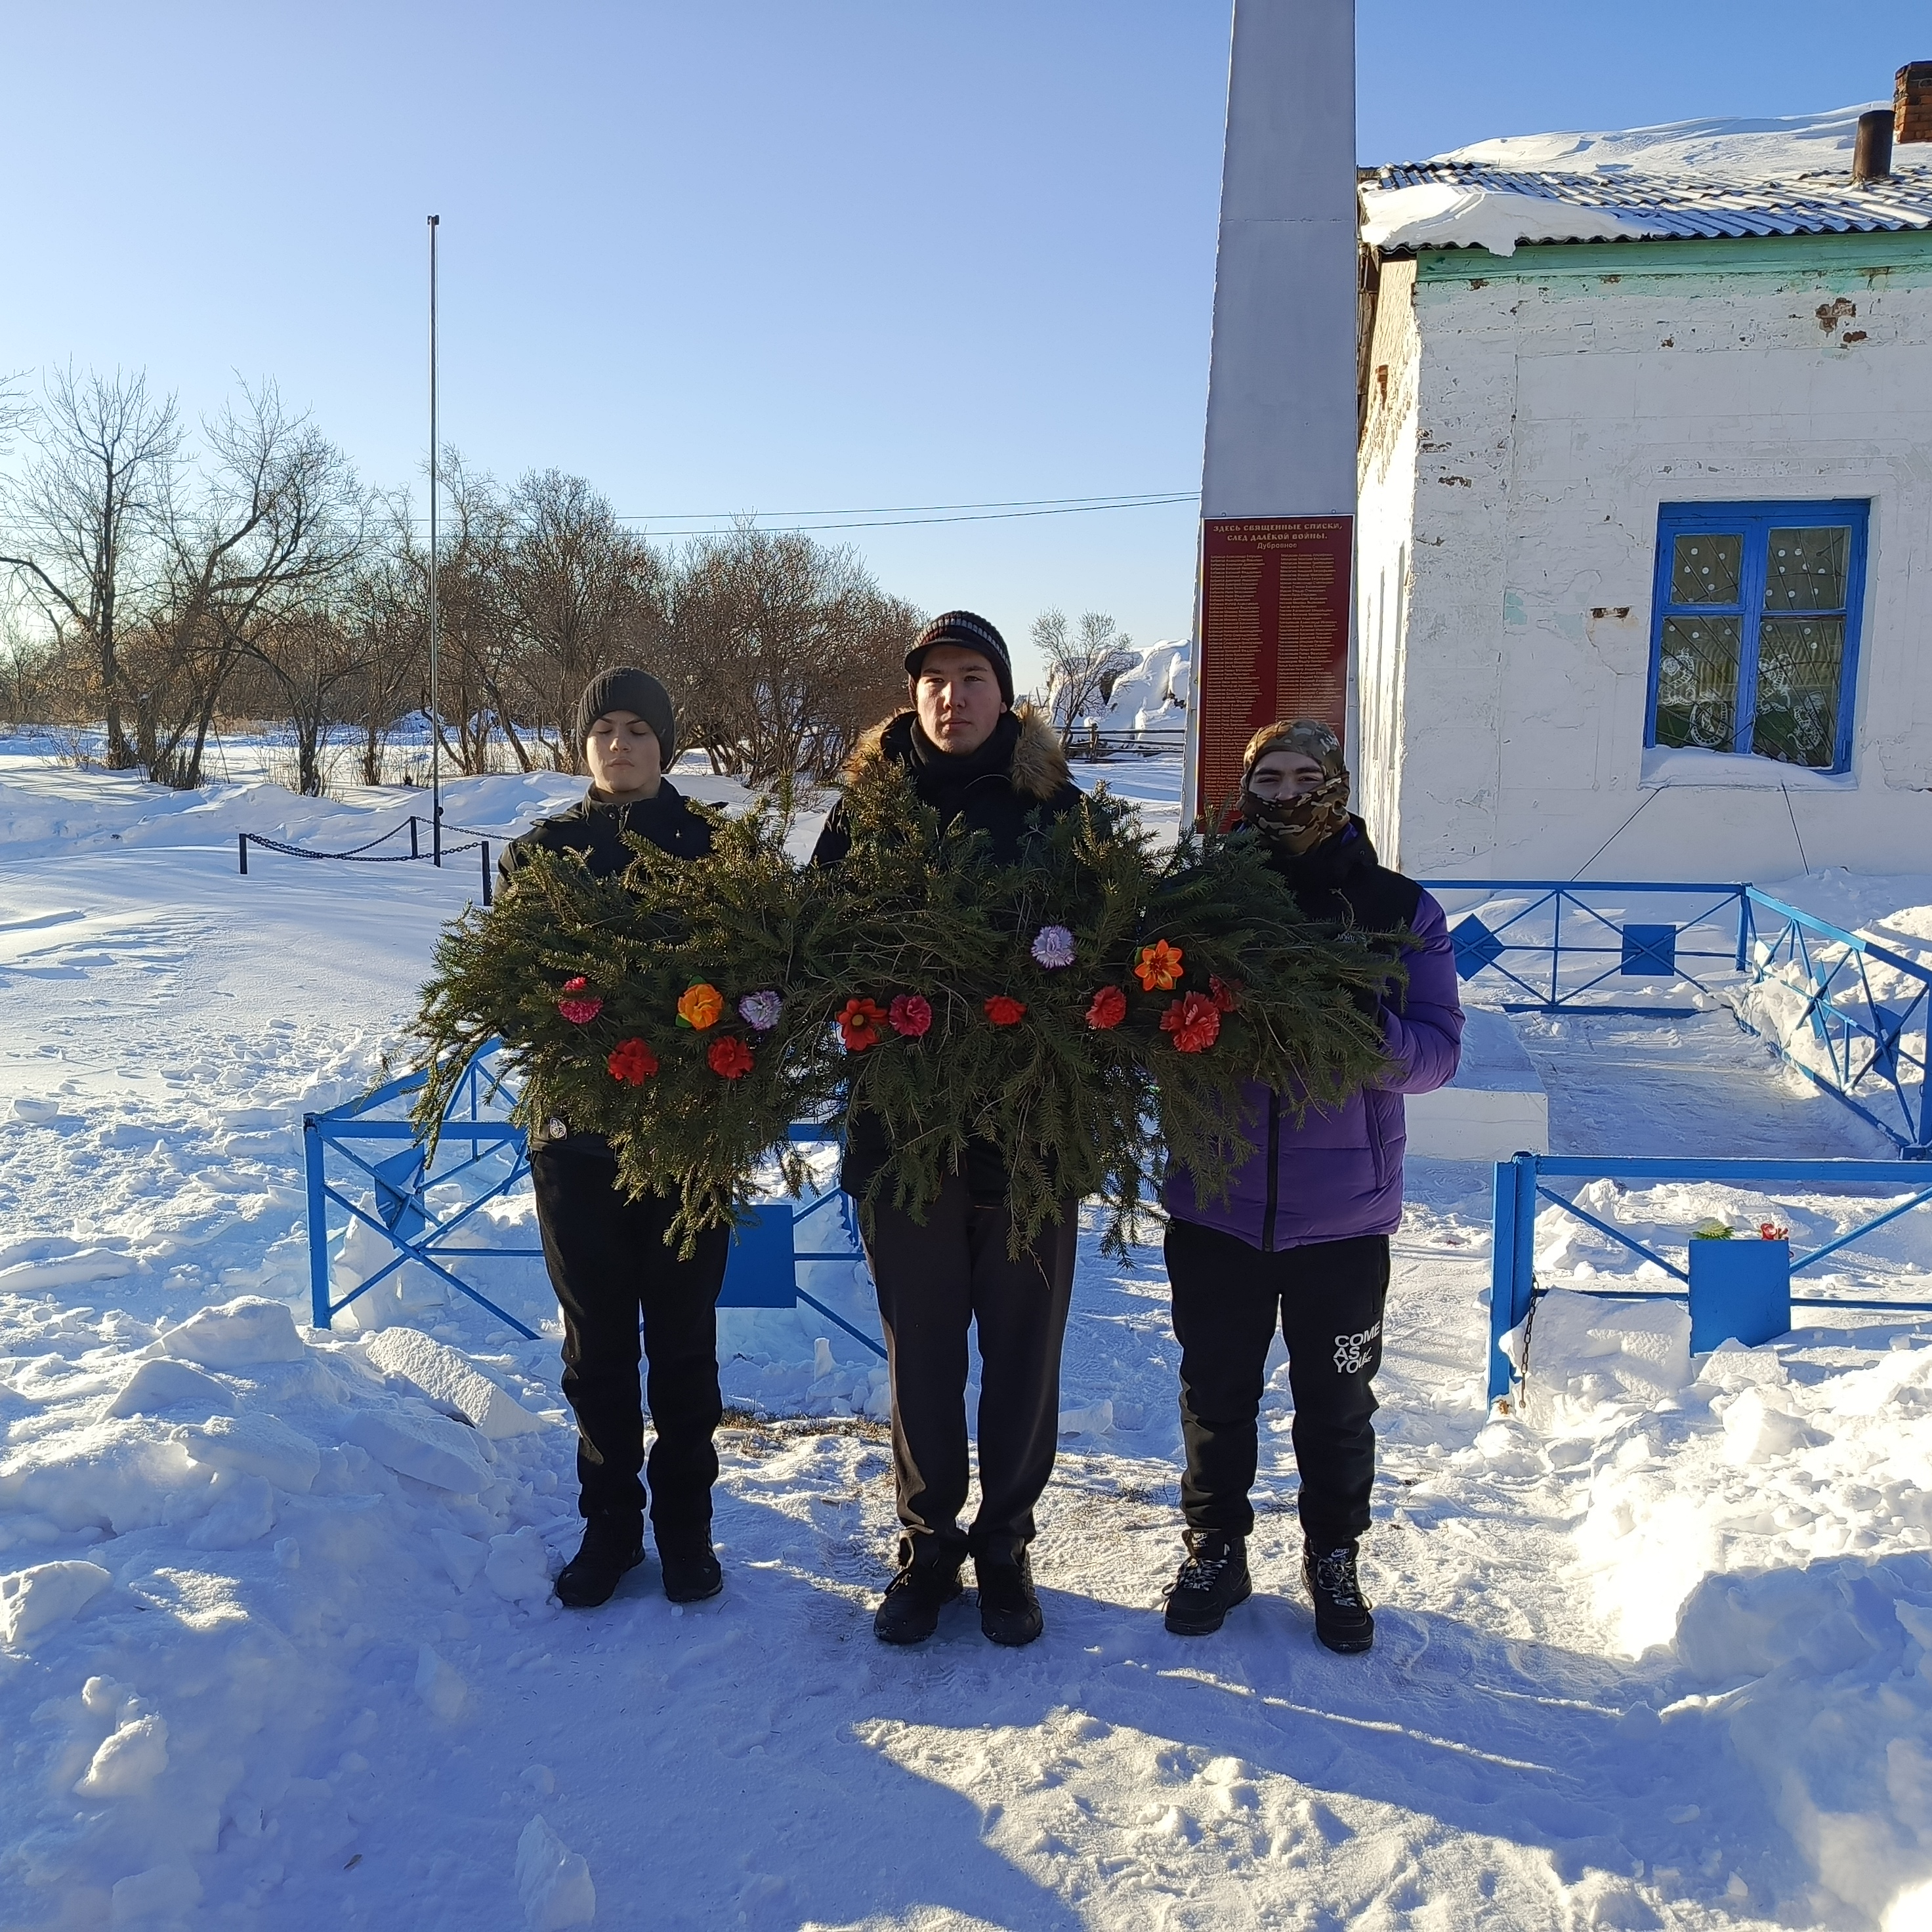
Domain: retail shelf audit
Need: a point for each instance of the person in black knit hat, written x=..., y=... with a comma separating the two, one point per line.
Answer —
x=975, y=759
x=606, y=1252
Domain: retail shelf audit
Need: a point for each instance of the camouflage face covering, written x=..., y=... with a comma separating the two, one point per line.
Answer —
x=1313, y=816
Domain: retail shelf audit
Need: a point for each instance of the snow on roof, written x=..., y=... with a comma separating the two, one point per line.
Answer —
x=1684, y=178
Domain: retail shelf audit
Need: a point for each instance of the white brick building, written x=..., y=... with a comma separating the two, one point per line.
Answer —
x=1644, y=544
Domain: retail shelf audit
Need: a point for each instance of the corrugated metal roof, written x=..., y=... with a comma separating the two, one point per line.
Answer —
x=1669, y=207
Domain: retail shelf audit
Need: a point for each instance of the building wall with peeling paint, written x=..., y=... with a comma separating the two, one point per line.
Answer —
x=1525, y=418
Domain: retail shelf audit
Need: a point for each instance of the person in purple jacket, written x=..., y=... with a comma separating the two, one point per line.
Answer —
x=1302, y=1237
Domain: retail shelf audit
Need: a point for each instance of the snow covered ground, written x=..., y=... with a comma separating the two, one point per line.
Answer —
x=276, y=1647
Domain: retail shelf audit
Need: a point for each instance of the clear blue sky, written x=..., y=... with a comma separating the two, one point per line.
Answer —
x=775, y=257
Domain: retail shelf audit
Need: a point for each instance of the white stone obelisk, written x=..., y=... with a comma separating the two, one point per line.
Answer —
x=1278, y=477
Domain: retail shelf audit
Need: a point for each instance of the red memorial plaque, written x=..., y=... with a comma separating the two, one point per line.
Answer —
x=1274, y=635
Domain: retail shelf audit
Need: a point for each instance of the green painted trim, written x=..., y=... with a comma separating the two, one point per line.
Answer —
x=1851, y=255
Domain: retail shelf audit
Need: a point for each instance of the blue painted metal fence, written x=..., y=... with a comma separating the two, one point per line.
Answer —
x=419, y=1209
x=1521, y=1182
x=1566, y=945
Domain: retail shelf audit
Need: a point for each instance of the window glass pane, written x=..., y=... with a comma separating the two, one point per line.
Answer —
x=1805, y=570
x=1798, y=661
x=1706, y=569
x=1697, y=680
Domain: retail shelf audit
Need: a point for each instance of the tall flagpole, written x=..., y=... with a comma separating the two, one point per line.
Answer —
x=435, y=714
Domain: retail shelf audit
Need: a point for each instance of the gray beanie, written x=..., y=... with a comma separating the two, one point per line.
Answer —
x=628, y=689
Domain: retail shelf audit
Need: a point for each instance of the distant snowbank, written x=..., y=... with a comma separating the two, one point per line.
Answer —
x=52, y=807
x=1147, y=692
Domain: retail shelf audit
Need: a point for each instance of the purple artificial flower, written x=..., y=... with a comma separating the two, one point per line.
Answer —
x=1053, y=947
x=760, y=1011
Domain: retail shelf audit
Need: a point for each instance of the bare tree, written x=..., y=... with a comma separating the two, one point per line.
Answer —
x=83, y=520
x=783, y=650
x=280, y=521
x=1081, y=670
x=580, y=593
x=390, y=621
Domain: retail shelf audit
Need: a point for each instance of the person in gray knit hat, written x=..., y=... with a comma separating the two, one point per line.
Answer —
x=611, y=693
x=606, y=1252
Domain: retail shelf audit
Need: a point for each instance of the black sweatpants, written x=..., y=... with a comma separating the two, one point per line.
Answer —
x=1328, y=1298
x=934, y=1282
x=608, y=1261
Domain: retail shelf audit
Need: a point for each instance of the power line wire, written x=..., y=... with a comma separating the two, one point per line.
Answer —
x=888, y=520
x=1123, y=500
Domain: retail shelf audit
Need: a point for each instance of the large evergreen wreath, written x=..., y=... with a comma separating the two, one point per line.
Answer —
x=1084, y=1012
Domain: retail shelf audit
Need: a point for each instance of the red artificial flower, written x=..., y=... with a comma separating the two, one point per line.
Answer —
x=1226, y=994
x=911, y=1015
x=860, y=1023
x=1107, y=1009
x=1769, y=1230
x=1003, y=1012
x=730, y=1058
x=579, y=1011
x=1194, y=1021
x=631, y=1059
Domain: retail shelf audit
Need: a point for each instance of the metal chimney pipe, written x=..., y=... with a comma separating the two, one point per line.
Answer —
x=1871, y=157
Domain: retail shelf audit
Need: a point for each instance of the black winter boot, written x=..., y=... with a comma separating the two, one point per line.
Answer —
x=909, y=1611
x=1009, y=1609
x=1212, y=1581
x=1342, y=1618
x=612, y=1544
x=691, y=1574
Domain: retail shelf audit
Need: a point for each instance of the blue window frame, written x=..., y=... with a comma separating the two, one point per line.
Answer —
x=1754, y=633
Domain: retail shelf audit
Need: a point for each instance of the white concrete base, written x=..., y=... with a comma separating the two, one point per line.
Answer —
x=1494, y=1107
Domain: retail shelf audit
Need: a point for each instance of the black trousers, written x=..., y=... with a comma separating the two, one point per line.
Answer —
x=1328, y=1298
x=608, y=1262
x=935, y=1282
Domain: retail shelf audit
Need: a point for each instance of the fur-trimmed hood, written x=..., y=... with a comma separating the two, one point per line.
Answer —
x=1039, y=767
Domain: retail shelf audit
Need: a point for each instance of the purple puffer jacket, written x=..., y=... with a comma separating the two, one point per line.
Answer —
x=1339, y=1175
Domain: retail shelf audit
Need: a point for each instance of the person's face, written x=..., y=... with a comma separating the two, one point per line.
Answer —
x=1284, y=774
x=957, y=695
x=626, y=759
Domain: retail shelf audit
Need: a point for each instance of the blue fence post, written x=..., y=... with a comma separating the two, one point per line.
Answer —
x=318, y=1223
x=1527, y=1167
x=1743, y=927
x=1502, y=1276
x=242, y=840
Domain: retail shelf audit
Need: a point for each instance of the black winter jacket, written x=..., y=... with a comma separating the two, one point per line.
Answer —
x=1020, y=771
x=596, y=826
x=1014, y=785
x=1343, y=879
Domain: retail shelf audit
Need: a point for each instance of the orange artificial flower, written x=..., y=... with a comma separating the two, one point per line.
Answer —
x=701, y=1006
x=1003, y=1012
x=1158, y=967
